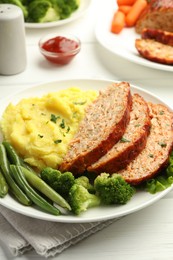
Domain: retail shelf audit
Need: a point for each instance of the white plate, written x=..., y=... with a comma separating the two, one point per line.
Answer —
x=122, y=44
x=140, y=200
x=84, y=5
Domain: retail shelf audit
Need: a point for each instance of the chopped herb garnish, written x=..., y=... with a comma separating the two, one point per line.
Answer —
x=62, y=125
x=162, y=144
x=54, y=118
x=74, y=114
x=161, y=112
x=57, y=141
x=79, y=103
x=137, y=125
x=68, y=129
x=41, y=136
x=43, y=114
x=124, y=140
x=151, y=155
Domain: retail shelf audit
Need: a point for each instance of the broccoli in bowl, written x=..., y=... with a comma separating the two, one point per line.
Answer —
x=43, y=11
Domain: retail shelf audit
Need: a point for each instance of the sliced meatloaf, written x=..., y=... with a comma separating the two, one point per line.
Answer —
x=155, y=51
x=103, y=125
x=158, y=35
x=132, y=142
x=154, y=157
x=157, y=15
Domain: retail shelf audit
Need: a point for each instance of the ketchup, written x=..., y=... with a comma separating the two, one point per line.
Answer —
x=67, y=48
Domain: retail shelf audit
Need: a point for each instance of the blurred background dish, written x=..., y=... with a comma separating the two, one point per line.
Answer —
x=59, y=48
x=83, y=7
x=122, y=44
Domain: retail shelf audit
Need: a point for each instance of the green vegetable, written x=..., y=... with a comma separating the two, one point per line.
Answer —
x=13, y=156
x=80, y=199
x=3, y=186
x=60, y=182
x=157, y=184
x=161, y=181
x=124, y=140
x=58, y=141
x=14, y=188
x=40, y=185
x=54, y=118
x=85, y=182
x=41, y=11
x=31, y=193
x=113, y=189
x=62, y=124
x=169, y=169
x=67, y=7
x=11, y=153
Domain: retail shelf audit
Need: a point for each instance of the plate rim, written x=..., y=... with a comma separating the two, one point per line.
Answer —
x=71, y=218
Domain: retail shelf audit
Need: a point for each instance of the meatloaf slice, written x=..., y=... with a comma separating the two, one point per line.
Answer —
x=157, y=15
x=154, y=157
x=158, y=35
x=104, y=124
x=155, y=51
x=132, y=142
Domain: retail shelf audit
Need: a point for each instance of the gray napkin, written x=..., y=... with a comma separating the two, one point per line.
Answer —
x=21, y=233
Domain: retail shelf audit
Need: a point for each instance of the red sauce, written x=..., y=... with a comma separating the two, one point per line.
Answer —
x=66, y=47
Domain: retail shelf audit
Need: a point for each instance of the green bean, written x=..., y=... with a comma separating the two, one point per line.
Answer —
x=12, y=155
x=14, y=158
x=25, y=165
x=13, y=187
x=44, y=188
x=31, y=193
x=37, y=182
x=3, y=186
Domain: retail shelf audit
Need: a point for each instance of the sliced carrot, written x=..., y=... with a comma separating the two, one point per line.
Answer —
x=135, y=12
x=118, y=22
x=125, y=8
x=125, y=2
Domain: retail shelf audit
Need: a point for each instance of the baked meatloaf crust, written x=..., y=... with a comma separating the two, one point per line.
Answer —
x=157, y=15
x=132, y=142
x=158, y=35
x=154, y=157
x=155, y=51
x=103, y=125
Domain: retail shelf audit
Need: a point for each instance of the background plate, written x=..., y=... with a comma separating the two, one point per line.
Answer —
x=122, y=44
x=140, y=200
x=84, y=5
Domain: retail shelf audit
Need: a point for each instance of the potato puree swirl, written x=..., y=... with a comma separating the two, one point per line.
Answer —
x=40, y=128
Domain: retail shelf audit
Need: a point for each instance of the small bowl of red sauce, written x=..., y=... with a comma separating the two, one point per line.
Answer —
x=59, y=49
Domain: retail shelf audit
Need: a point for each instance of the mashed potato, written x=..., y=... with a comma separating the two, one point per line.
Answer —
x=40, y=129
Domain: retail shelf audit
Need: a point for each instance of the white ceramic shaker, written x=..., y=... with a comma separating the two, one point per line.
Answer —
x=12, y=40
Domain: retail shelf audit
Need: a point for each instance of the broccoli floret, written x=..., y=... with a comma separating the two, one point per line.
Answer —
x=74, y=4
x=66, y=7
x=113, y=189
x=84, y=181
x=60, y=182
x=42, y=11
x=80, y=199
x=18, y=3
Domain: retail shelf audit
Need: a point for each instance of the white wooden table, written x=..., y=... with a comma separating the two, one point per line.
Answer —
x=146, y=234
